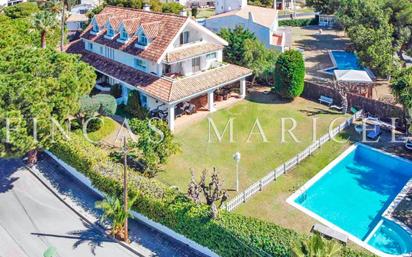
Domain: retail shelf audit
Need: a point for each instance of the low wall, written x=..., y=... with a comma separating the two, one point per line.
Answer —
x=383, y=110
x=165, y=230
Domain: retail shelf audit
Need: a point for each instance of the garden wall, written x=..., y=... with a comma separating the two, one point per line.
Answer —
x=383, y=110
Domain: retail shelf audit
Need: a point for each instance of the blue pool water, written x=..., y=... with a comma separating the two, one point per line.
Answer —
x=345, y=61
x=356, y=191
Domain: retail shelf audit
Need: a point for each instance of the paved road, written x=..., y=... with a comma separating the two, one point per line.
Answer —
x=32, y=219
x=142, y=236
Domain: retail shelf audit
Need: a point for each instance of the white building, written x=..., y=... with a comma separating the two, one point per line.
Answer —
x=168, y=59
x=10, y=2
x=263, y=22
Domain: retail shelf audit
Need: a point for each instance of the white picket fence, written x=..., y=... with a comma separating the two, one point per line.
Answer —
x=288, y=165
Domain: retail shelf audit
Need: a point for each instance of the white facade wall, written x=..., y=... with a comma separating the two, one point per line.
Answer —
x=264, y=34
x=229, y=5
x=3, y=2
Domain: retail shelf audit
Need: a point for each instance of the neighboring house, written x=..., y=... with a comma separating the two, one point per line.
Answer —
x=169, y=59
x=11, y=2
x=263, y=22
x=77, y=16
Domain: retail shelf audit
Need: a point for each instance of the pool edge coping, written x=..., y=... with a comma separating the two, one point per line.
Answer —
x=291, y=199
x=335, y=65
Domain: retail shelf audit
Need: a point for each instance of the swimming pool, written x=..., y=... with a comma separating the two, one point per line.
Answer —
x=343, y=60
x=351, y=194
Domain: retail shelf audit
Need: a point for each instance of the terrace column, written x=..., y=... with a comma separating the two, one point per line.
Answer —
x=242, y=88
x=211, y=101
x=171, y=117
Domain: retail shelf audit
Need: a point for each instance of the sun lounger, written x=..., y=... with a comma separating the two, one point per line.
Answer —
x=375, y=133
x=408, y=144
x=330, y=233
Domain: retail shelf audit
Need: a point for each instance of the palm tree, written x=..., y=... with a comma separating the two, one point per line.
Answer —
x=316, y=246
x=44, y=21
x=114, y=212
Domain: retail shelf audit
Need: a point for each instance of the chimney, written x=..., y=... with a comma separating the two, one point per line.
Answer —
x=146, y=7
x=183, y=12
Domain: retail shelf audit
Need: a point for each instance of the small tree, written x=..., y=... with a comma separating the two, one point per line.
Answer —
x=107, y=104
x=134, y=106
x=44, y=22
x=236, y=38
x=402, y=89
x=316, y=246
x=195, y=11
x=155, y=143
x=212, y=191
x=290, y=74
x=114, y=213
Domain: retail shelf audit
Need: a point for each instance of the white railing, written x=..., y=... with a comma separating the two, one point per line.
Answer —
x=288, y=165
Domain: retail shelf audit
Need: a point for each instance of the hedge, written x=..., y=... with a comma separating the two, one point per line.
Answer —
x=299, y=22
x=229, y=235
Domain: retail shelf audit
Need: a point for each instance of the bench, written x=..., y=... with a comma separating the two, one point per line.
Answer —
x=330, y=233
x=325, y=99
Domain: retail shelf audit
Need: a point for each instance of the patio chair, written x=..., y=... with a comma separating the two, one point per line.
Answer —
x=408, y=144
x=375, y=133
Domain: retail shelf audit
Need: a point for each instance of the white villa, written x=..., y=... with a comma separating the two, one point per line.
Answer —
x=169, y=59
x=261, y=21
x=10, y=2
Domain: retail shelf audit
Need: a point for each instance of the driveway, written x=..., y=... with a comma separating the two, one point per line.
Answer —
x=33, y=219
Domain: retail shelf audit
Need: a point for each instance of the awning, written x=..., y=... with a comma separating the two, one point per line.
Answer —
x=358, y=76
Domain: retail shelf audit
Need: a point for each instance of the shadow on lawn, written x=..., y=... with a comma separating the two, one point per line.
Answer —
x=319, y=111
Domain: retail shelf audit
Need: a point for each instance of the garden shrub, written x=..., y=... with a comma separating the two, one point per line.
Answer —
x=290, y=74
x=116, y=90
x=107, y=104
x=134, y=107
x=299, y=22
x=21, y=10
x=230, y=235
x=88, y=106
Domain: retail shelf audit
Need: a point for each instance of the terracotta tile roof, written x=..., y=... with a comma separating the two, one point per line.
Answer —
x=166, y=90
x=131, y=25
x=152, y=29
x=263, y=16
x=207, y=80
x=162, y=27
x=183, y=53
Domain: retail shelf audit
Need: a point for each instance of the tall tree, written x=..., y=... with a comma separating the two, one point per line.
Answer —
x=368, y=25
x=401, y=19
x=236, y=38
x=260, y=59
x=402, y=89
x=324, y=6
x=45, y=22
x=36, y=86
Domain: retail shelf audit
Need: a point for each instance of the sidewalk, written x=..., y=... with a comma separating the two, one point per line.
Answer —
x=144, y=239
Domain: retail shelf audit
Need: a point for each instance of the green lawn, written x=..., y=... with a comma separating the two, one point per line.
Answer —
x=108, y=127
x=270, y=204
x=258, y=157
x=205, y=13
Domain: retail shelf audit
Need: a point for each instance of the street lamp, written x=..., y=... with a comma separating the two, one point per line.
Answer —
x=125, y=196
x=236, y=157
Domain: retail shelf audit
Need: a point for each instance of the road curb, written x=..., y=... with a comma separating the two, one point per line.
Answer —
x=100, y=228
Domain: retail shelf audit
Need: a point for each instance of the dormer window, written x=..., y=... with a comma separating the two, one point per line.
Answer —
x=124, y=36
x=142, y=40
x=110, y=31
x=95, y=28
